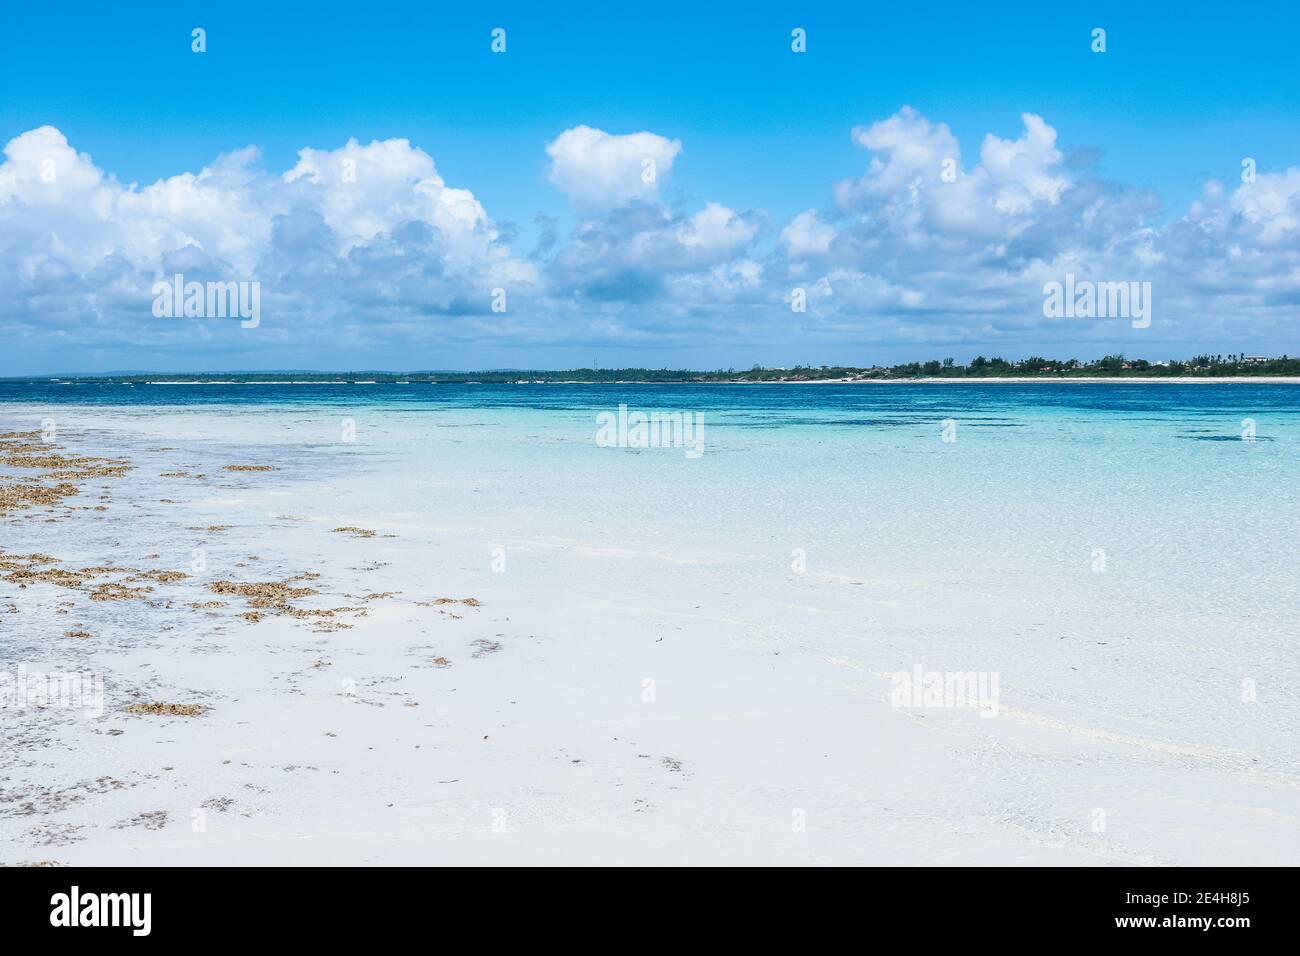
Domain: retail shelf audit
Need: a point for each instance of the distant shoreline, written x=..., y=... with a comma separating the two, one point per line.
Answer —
x=917, y=380
x=1091, y=379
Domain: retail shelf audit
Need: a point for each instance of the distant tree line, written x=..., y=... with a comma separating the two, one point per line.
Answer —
x=1114, y=366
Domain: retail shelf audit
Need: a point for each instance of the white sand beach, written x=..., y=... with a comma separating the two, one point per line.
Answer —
x=548, y=659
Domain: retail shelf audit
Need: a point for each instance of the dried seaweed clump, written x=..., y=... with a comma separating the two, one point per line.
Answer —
x=59, y=576
x=24, y=569
x=262, y=594
x=68, y=466
x=325, y=627
x=26, y=493
x=26, y=450
x=249, y=467
x=266, y=598
x=355, y=532
x=168, y=710
x=112, y=591
x=468, y=602
x=162, y=577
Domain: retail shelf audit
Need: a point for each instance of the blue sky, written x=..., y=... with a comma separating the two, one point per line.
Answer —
x=1176, y=100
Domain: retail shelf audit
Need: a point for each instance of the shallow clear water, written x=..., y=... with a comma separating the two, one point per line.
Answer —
x=1116, y=552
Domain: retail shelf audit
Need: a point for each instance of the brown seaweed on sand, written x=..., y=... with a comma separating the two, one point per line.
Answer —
x=261, y=593
x=167, y=710
x=22, y=576
x=266, y=598
x=162, y=577
x=26, y=493
x=438, y=602
x=26, y=451
x=112, y=591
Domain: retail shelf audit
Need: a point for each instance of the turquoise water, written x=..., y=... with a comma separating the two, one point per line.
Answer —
x=1117, y=552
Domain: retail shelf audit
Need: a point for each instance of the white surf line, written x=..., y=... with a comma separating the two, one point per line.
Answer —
x=1128, y=740
x=571, y=544
x=1079, y=730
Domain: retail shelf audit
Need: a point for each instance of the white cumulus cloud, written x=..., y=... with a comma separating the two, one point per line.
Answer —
x=366, y=247
x=598, y=171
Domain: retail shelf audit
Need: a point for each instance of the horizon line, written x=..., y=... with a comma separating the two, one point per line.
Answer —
x=352, y=372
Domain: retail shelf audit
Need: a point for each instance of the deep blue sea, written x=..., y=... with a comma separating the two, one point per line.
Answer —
x=862, y=404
